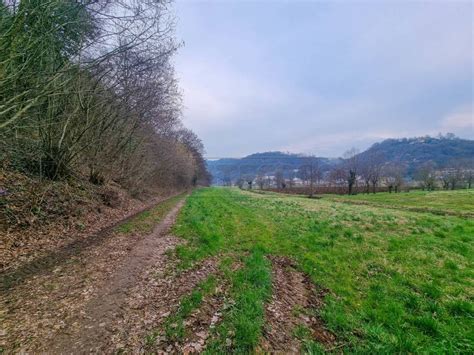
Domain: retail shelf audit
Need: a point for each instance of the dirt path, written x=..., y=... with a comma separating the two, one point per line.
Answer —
x=293, y=306
x=105, y=299
x=45, y=263
x=104, y=309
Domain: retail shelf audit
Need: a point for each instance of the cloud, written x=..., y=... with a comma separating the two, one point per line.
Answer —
x=323, y=77
x=461, y=120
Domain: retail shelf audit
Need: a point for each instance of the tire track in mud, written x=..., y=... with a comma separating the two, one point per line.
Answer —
x=201, y=323
x=151, y=302
x=135, y=295
x=294, y=302
x=198, y=326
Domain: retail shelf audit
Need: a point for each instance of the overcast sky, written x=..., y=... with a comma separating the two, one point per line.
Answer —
x=321, y=77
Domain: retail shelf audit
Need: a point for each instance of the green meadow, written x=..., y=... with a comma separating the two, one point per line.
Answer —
x=399, y=280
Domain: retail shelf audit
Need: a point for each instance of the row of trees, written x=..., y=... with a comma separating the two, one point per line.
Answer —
x=458, y=173
x=367, y=173
x=88, y=88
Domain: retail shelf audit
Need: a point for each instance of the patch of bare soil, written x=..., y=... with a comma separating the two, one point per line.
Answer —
x=295, y=302
x=94, y=300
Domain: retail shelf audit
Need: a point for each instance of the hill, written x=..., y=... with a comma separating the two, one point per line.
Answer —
x=266, y=163
x=410, y=152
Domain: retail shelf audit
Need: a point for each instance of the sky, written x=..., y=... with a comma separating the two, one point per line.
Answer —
x=320, y=77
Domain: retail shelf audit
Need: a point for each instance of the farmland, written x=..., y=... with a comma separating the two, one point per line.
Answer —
x=390, y=280
x=222, y=270
x=457, y=202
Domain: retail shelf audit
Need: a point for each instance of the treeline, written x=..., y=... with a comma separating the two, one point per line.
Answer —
x=371, y=172
x=87, y=88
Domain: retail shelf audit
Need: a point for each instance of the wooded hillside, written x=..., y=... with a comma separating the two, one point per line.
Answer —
x=88, y=90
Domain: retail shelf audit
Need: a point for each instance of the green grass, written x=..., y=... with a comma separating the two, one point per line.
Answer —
x=241, y=327
x=147, y=220
x=400, y=281
x=451, y=202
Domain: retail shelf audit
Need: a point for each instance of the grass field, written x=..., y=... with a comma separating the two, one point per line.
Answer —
x=457, y=202
x=399, y=281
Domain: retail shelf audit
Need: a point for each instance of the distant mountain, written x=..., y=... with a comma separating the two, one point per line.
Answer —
x=260, y=163
x=411, y=152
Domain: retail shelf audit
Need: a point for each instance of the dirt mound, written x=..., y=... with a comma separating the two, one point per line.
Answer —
x=294, y=305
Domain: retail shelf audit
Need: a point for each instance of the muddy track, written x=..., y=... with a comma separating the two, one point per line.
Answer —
x=105, y=300
x=151, y=301
x=104, y=308
x=12, y=278
x=198, y=325
x=295, y=303
x=201, y=324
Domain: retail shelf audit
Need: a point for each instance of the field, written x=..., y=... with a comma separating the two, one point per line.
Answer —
x=457, y=202
x=389, y=279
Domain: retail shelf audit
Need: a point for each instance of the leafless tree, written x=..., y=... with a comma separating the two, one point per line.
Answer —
x=291, y=178
x=370, y=168
x=394, y=176
x=279, y=179
x=426, y=175
x=468, y=171
x=240, y=183
x=351, y=165
x=337, y=176
x=455, y=173
x=88, y=88
x=444, y=178
x=303, y=173
x=260, y=181
x=311, y=172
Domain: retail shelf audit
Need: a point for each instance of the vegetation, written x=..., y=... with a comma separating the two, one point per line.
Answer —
x=87, y=90
x=242, y=325
x=174, y=324
x=147, y=220
x=427, y=162
x=399, y=281
x=458, y=202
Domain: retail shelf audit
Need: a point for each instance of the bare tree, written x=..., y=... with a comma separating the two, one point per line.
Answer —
x=351, y=165
x=310, y=172
x=394, y=176
x=425, y=174
x=303, y=173
x=279, y=179
x=370, y=169
x=444, y=178
x=455, y=173
x=260, y=181
x=337, y=177
x=366, y=174
x=291, y=178
x=240, y=183
x=89, y=85
x=468, y=171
